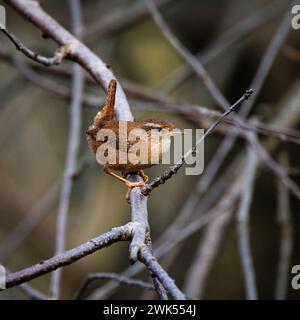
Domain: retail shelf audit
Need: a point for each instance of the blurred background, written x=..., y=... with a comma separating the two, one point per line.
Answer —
x=231, y=37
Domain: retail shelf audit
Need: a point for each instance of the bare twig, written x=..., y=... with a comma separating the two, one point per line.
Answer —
x=100, y=72
x=286, y=119
x=72, y=151
x=151, y=101
x=115, y=235
x=117, y=20
x=243, y=225
x=174, y=169
x=33, y=12
x=226, y=40
x=194, y=206
x=180, y=234
x=122, y=233
x=151, y=263
x=32, y=293
x=219, y=98
x=60, y=54
x=286, y=237
x=110, y=276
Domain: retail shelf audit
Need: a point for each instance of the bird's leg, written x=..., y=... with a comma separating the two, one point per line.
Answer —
x=145, y=177
x=128, y=183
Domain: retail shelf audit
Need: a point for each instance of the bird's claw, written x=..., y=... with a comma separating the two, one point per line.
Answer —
x=132, y=185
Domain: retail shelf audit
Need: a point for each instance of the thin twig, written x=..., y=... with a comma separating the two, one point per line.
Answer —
x=110, y=276
x=243, y=214
x=72, y=151
x=117, y=19
x=58, y=57
x=195, y=206
x=225, y=147
x=240, y=31
x=174, y=169
x=257, y=83
x=151, y=101
x=288, y=117
x=100, y=72
x=179, y=235
x=219, y=98
x=286, y=236
x=32, y=293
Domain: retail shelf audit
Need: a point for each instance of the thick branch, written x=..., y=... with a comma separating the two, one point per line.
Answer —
x=116, y=234
x=33, y=12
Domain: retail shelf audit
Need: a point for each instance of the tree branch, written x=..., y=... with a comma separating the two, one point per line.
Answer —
x=72, y=151
x=110, y=276
x=151, y=263
x=243, y=225
x=217, y=95
x=116, y=234
x=286, y=236
x=174, y=169
x=33, y=12
x=58, y=57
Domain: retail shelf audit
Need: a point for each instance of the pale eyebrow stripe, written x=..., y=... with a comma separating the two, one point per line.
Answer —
x=154, y=125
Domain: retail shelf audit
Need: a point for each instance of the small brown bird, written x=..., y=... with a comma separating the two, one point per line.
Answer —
x=105, y=119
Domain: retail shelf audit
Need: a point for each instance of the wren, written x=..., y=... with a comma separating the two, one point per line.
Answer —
x=105, y=119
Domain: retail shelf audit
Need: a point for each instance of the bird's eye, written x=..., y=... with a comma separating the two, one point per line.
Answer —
x=153, y=126
x=156, y=129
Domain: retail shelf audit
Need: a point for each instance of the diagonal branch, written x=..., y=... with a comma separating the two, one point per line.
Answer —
x=239, y=32
x=68, y=257
x=174, y=169
x=217, y=95
x=32, y=11
x=149, y=100
x=58, y=57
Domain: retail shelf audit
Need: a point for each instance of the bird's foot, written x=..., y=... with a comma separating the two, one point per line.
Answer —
x=145, y=177
x=132, y=185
